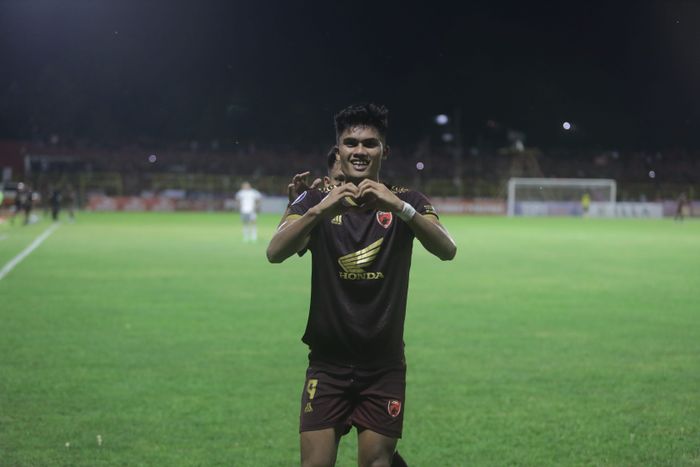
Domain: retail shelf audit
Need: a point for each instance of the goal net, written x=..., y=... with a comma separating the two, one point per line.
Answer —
x=593, y=197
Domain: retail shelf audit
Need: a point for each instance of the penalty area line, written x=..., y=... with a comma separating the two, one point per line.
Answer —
x=33, y=246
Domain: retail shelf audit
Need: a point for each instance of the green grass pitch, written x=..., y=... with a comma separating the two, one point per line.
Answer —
x=546, y=342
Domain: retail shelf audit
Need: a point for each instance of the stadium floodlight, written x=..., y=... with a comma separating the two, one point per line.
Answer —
x=561, y=196
x=442, y=119
x=566, y=126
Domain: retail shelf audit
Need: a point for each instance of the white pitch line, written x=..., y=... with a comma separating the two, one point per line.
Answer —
x=34, y=245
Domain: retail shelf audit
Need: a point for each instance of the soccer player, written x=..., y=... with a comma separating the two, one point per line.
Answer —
x=334, y=176
x=361, y=236
x=23, y=202
x=70, y=200
x=300, y=183
x=55, y=200
x=585, y=203
x=681, y=203
x=248, y=200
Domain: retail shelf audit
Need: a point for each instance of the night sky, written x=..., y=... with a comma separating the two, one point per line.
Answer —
x=119, y=72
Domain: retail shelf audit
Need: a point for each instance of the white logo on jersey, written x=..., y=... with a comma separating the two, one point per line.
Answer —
x=299, y=198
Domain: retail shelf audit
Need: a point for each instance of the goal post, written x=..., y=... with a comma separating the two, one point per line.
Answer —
x=594, y=197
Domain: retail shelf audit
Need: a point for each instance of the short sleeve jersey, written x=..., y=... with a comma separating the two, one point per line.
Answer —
x=359, y=281
x=248, y=198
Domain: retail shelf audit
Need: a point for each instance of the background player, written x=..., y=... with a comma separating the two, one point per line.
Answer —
x=300, y=182
x=248, y=200
x=334, y=176
x=681, y=204
x=361, y=235
x=585, y=203
x=55, y=198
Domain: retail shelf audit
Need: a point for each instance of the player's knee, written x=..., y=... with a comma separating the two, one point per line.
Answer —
x=376, y=458
x=378, y=461
x=317, y=460
x=318, y=449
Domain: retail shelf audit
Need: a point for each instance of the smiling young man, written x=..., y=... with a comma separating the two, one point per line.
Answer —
x=361, y=236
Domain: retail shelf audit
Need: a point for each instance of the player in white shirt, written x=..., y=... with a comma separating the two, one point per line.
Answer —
x=248, y=200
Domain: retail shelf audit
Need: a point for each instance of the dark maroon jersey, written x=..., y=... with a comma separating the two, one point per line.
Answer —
x=359, y=281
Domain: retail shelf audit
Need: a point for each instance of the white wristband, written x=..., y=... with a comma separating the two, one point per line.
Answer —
x=407, y=212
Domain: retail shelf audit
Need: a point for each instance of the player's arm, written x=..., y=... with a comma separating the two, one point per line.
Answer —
x=294, y=232
x=433, y=236
x=426, y=227
x=292, y=235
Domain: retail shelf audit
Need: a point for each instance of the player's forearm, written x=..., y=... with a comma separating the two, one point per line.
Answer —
x=284, y=218
x=434, y=237
x=291, y=237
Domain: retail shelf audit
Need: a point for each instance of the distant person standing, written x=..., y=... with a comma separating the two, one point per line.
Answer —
x=585, y=203
x=17, y=204
x=69, y=202
x=28, y=205
x=55, y=200
x=681, y=207
x=2, y=202
x=23, y=202
x=248, y=201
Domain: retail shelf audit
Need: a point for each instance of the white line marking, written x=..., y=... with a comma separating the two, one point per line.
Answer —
x=34, y=245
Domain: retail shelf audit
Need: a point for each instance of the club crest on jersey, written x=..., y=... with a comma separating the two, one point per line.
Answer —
x=299, y=198
x=384, y=218
x=394, y=408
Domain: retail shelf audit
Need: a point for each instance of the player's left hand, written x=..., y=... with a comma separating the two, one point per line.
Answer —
x=376, y=195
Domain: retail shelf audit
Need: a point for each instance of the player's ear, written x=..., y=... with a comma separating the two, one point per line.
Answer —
x=326, y=180
x=385, y=154
x=336, y=151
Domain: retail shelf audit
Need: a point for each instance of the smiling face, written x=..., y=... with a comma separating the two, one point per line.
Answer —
x=360, y=152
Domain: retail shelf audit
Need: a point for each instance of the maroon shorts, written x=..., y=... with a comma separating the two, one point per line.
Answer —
x=339, y=397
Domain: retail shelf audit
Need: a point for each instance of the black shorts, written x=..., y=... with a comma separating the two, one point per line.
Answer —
x=336, y=396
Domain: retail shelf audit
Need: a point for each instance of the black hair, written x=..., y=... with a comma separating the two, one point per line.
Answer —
x=371, y=115
x=331, y=158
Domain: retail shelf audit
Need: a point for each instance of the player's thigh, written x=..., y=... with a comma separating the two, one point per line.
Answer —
x=374, y=449
x=326, y=400
x=319, y=448
x=381, y=406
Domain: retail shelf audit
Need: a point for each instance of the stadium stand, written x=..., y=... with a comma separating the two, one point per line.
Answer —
x=213, y=171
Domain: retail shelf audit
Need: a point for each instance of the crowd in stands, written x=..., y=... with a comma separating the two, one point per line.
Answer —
x=482, y=172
